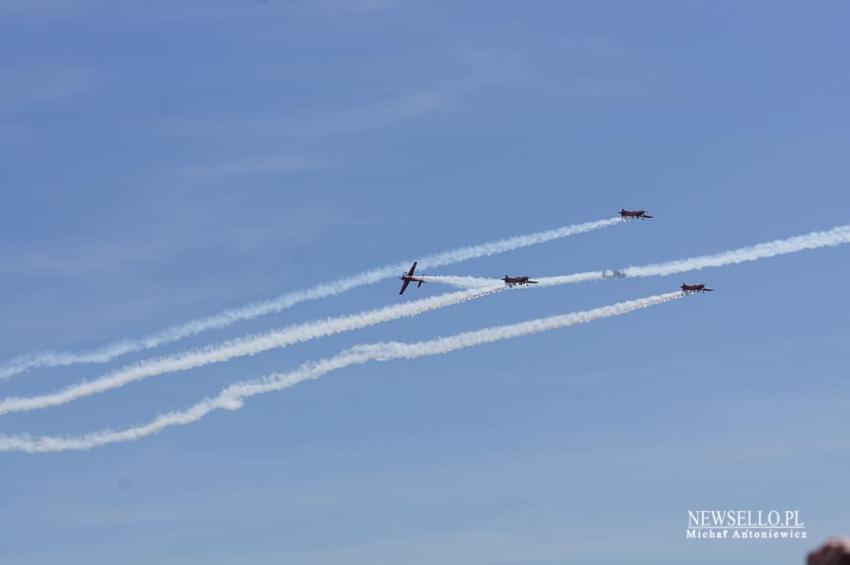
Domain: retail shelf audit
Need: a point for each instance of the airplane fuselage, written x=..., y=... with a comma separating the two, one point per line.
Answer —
x=408, y=278
x=688, y=288
x=511, y=281
x=628, y=214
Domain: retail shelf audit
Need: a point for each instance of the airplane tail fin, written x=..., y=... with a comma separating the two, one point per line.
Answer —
x=420, y=284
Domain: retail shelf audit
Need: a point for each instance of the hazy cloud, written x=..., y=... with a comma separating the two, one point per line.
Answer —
x=22, y=86
x=272, y=164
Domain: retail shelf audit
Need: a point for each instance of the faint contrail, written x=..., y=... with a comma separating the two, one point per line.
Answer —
x=222, y=319
x=830, y=238
x=242, y=347
x=233, y=397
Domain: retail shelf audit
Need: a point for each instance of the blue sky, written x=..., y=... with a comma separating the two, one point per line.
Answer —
x=163, y=162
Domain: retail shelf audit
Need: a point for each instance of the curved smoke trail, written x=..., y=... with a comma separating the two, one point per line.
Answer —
x=225, y=318
x=233, y=397
x=242, y=347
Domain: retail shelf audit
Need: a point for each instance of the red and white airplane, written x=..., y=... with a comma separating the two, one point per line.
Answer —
x=409, y=278
x=689, y=288
x=629, y=214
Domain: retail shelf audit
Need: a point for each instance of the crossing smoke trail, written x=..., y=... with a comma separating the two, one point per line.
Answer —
x=814, y=240
x=242, y=347
x=233, y=397
x=304, y=332
x=312, y=330
x=225, y=318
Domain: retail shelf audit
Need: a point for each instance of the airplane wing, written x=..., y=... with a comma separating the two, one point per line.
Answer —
x=404, y=285
x=412, y=268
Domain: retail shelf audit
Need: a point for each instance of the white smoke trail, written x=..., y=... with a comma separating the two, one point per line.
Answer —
x=233, y=397
x=814, y=240
x=242, y=347
x=303, y=332
x=830, y=238
x=462, y=281
x=110, y=351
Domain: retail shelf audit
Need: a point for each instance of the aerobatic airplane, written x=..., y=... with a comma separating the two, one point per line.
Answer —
x=629, y=214
x=511, y=281
x=409, y=278
x=689, y=288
